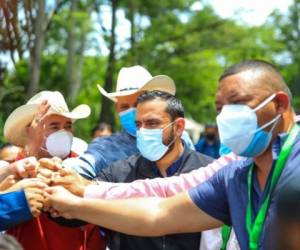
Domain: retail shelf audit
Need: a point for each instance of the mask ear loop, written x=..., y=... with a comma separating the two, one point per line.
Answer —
x=265, y=102
x=167, y=127
x=274, y=121
x=170, y=124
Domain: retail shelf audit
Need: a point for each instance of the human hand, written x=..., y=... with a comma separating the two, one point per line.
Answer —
x=53, y=164
x=24, y=183
x=33, y=189
x=47, y=168
x=8, y=182
x=70, y=180
x=38, y=118
x=60, y=202
x=24, y=168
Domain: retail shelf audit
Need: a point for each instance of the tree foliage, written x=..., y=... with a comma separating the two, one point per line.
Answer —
x=167, y=37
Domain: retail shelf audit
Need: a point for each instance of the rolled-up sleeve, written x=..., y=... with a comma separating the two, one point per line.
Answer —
x=158, y=187
x=211, y=197
x=84, y=165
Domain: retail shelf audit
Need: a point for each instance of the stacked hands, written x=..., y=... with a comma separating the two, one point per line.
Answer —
x=47, y=185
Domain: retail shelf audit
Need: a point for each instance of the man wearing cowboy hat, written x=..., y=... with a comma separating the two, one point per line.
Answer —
x=37, y=134
x=43, y=128
x=103, y=151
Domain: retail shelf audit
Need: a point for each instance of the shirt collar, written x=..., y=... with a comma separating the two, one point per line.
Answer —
x=277, y=144
x=172, y=169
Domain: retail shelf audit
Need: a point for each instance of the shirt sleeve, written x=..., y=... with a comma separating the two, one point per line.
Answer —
x=158, y=187
x=211, y=196
x=84, y=165
x=101, y=153
x=89, y=163
x=14, y=209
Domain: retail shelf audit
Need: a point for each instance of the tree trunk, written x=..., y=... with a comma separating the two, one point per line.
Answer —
x=71, y=59
x=75, y=54
x=36, y=50
x=76, y=82
x=131, y=16
x=106, y=113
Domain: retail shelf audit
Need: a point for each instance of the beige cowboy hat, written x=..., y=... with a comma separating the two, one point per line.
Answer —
x=21, y=117
x=136, y=78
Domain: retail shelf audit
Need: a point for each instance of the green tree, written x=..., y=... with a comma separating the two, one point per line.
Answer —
x=288, y=32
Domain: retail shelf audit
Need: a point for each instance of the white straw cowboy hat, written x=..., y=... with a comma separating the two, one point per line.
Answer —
x=136, y=78
x=21, y=117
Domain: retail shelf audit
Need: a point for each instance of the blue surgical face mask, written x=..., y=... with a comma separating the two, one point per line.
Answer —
x=239, y=130
x=150, y=143
x=127, y=119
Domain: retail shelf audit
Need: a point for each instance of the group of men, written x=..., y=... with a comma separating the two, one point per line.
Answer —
x=153, y=157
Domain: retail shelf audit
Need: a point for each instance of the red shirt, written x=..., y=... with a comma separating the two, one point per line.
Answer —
x=42, y=233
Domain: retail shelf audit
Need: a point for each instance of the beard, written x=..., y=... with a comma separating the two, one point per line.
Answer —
x=170, y=141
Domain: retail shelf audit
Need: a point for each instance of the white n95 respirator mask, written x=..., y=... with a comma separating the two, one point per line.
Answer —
x=59, y=143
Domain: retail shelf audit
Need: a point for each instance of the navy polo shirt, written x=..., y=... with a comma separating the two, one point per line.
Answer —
x=225, y=195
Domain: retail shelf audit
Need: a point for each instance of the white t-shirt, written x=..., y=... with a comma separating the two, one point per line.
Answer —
x=212, y=240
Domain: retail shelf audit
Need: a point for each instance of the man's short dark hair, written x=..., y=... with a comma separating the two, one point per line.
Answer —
x=8, y=242
x=248, y=65
x=174, y=106
x=275, y=81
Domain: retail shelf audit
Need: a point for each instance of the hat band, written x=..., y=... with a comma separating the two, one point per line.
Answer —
x=126, y=89
x=59, y=109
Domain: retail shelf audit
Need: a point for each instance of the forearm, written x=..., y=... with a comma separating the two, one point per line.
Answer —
x=145, y=217
x=136, y=218
x=158, y=187
x=142, y=217
x=4, y=172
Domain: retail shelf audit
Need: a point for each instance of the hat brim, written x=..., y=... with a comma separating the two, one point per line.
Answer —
x=160, y=82
x=15, y=125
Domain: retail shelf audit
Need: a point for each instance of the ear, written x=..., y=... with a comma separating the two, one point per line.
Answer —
x=282, y=101
x=179, y=126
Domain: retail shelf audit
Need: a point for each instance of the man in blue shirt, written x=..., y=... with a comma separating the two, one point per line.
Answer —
x=256, y=121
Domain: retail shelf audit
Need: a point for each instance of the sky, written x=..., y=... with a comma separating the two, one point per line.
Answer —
x=254, y=12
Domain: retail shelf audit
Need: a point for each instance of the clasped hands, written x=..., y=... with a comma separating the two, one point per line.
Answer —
x=38, y=178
